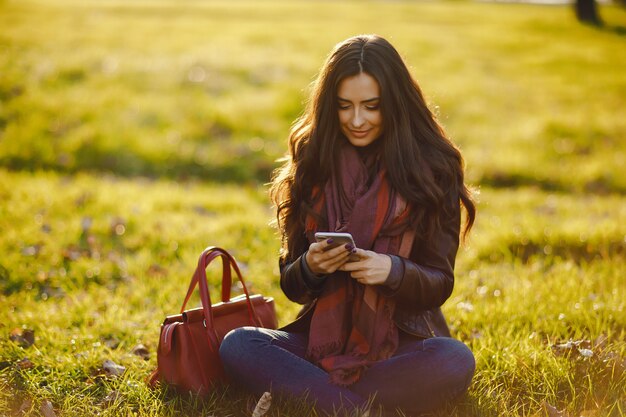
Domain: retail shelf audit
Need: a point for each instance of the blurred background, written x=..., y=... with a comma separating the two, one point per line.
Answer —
x=208, y=89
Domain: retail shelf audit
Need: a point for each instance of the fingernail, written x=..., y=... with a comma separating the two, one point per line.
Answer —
x=353, y=250
x=349, y=247
x=329, y=241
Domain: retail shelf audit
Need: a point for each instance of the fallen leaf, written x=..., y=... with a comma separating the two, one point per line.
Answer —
x=551, y=411
x=582, y=347
x=47, y=410
x=32, y=250
x=25, y=364
x=142, y=351
x=263, y=406
x=23, y=337
x=113, y=369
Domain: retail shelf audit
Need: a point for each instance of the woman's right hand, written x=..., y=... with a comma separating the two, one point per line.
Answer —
x=324, y=261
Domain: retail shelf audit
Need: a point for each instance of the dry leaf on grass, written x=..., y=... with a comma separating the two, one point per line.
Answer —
x=142, y=351
x=113, y=369
x=47, y=410
x=582, y=347
x=551, y=411
x=25, y=364
x=263, y=406
x=23, y=337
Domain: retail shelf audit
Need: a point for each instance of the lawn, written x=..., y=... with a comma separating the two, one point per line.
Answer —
x=132, y=135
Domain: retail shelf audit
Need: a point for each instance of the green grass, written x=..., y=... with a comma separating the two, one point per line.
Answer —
x=156, y=89
x=510, y=307
x=132, y=135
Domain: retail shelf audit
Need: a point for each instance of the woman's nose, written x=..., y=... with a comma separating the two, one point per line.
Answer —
x=357, y=119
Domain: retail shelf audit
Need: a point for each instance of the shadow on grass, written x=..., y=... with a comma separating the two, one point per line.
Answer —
x=599, y=186
x=237, y=170
x=618, y=30
x=579, y=252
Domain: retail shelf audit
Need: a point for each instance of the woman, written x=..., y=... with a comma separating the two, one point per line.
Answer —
x=367, y=158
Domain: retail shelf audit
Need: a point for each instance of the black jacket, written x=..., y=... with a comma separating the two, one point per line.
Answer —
x=419, y=285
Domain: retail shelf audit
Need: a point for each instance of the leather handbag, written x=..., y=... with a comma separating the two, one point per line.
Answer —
x=187, y=356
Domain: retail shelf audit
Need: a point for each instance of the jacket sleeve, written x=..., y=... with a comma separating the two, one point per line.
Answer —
x=298, y=283
x=426, y=280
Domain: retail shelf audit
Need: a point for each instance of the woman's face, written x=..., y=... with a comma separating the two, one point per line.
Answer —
x=358, y=100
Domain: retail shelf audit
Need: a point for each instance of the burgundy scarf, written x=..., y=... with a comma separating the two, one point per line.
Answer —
x=352, y=325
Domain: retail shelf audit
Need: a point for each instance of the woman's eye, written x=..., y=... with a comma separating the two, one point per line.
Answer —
x=372, y=107
x=343, y=107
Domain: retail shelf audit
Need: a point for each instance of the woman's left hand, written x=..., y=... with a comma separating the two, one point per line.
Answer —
x=371, y=269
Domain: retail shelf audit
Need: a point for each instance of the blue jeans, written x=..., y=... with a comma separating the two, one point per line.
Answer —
x=422, y=375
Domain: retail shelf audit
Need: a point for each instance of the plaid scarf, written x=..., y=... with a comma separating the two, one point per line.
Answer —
x=352, y=325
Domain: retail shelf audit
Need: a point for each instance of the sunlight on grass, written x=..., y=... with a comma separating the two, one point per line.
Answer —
x=103, y=291
x=155, y=89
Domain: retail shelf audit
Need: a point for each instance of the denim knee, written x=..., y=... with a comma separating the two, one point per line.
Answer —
x=460, y=366
x=235, y=344
x=467, y=363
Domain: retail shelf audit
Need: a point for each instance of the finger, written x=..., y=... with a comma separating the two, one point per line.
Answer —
x=363, y=254
x=338, y=262
x=358, y=275
x=334, y=254
x=319, y=247
x=352, y=266
x=342, y=249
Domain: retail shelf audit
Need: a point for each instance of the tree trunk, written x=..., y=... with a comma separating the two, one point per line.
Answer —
x=587, y=12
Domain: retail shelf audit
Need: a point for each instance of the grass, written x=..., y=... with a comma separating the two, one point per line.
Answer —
x=155, y=89
x=132, y=135
x=112, y=295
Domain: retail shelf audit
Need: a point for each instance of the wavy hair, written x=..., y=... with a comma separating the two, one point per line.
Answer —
x=423, y=165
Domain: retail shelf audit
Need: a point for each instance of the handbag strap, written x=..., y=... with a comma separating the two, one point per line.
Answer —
x=199, y=278
x=201, y=272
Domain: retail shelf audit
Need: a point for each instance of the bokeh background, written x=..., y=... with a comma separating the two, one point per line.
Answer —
x=134, y=134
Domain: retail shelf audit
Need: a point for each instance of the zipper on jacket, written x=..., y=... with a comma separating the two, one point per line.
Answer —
x=430, y=329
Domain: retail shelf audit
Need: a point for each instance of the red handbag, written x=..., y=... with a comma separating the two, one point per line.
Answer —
x=187, y=356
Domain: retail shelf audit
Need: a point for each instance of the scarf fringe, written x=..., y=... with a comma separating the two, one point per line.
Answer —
x=317, y=353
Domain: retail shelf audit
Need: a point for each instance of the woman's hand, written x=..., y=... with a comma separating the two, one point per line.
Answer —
x=323, y=261
x=371, y=269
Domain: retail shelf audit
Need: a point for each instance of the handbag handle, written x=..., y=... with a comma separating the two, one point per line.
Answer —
x=226, y=275
x=199, y=278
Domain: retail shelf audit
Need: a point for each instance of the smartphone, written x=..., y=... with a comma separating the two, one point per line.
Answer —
x=339, y=239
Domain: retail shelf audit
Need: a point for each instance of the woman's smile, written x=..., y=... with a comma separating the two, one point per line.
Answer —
x=359, y=133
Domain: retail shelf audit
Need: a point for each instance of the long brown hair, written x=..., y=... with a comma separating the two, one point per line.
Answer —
x=423, y=165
